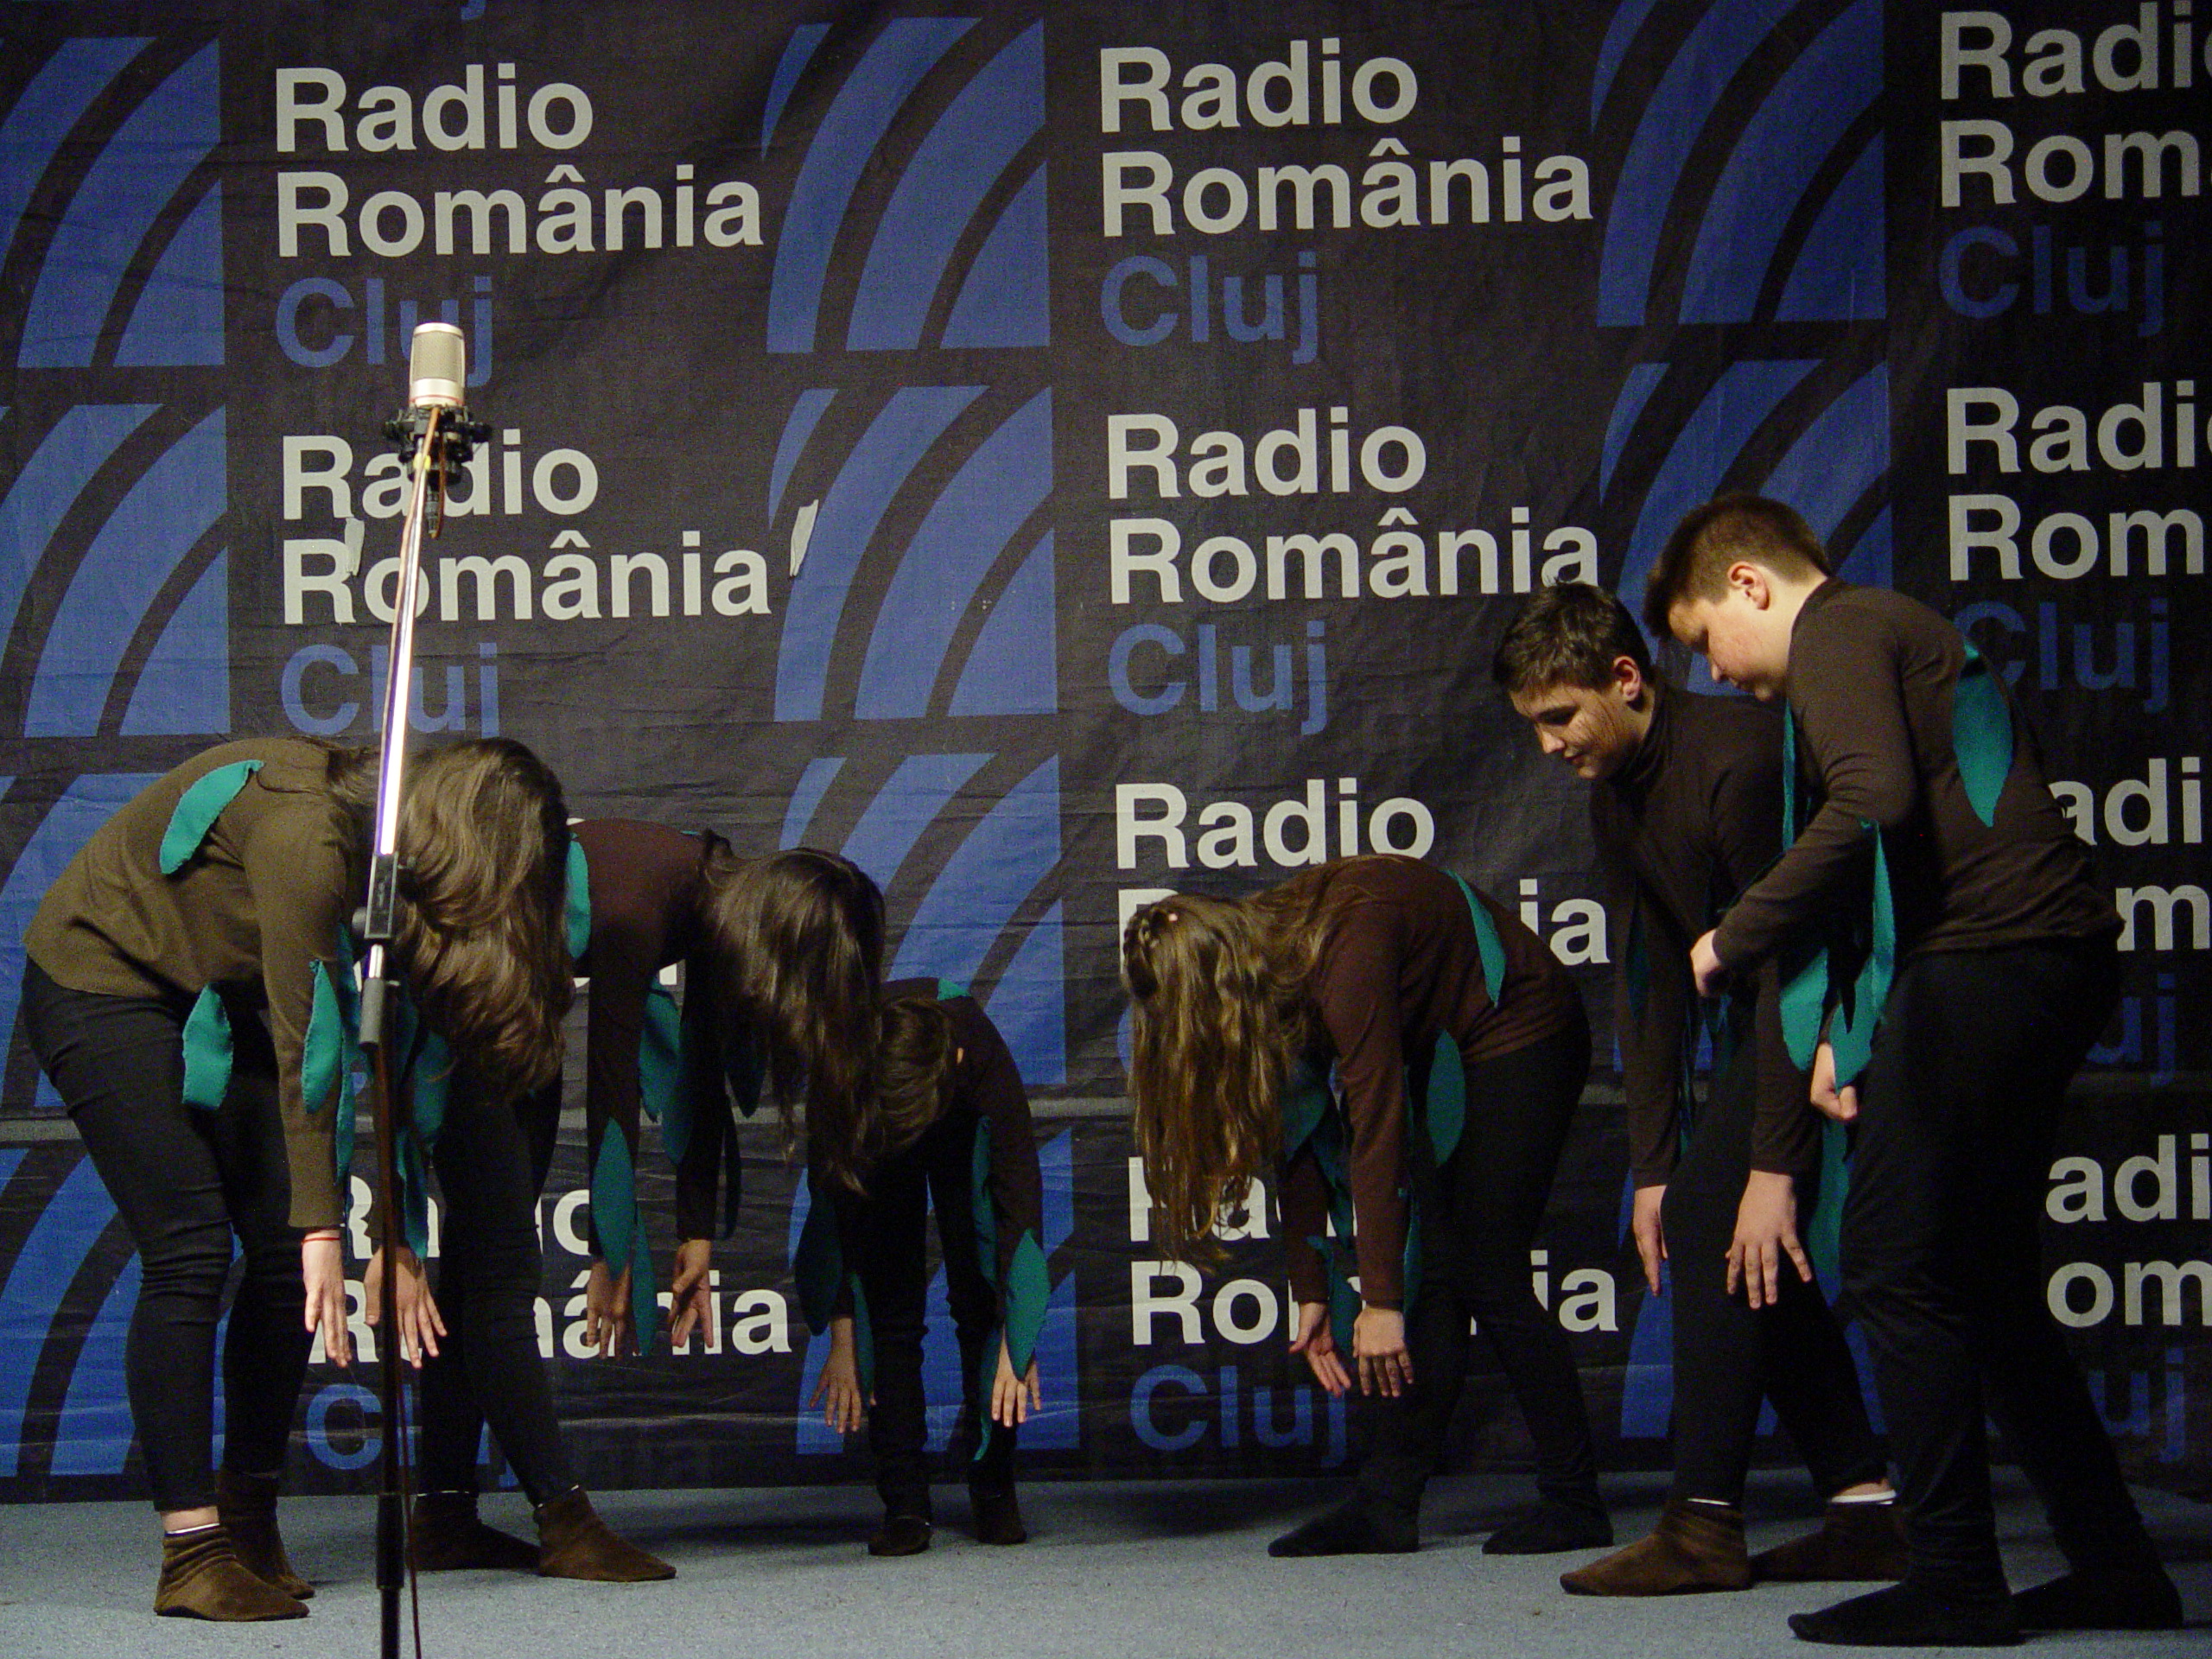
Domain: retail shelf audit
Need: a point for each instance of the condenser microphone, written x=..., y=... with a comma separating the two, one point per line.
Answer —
x=437, y=364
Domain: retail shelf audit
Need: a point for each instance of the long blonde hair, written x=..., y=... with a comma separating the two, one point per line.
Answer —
x=1220, y=1013
x=481, y=933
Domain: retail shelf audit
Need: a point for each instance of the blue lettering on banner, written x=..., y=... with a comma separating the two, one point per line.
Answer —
x=1230, y=1414
x=1982, y=271
x=1158, y=694
x=1145, y=314
x=316, y=325
x=323, y=697
x=339, y=1396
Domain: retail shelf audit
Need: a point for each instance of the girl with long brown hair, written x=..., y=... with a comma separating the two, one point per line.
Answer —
x=186, y=989
x=951, y=1132
x=781, y=955
x=1459, y=1049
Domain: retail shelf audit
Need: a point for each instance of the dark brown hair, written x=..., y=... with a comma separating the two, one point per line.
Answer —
x=1567, y=635
x=1220, y=1011
x=480, y=934
x=798, y=935
x=915, y=1073
x=1694, y=562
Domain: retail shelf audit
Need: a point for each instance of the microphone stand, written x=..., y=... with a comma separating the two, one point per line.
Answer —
x=435, y=441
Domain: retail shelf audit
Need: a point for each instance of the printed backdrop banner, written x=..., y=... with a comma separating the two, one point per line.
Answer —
x=1054, y=453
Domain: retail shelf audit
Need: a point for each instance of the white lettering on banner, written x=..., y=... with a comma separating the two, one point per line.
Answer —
x=1143, y=192
x=569, y=587
x=2081, y=1294
x=2147, y=1187
x=1146, y=450
x=2158, y=48
x=1983, y=423
x=1293, y=832
x=2068, y=546
x=318, y=467
x=1140, y=194
x=311, y=113
x=2060, y=167
x=1397, y=563
x=2163, y=808
x=565, y=218
x=1301, y=88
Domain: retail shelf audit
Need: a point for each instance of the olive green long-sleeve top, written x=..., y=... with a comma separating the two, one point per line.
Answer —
x=263, y=899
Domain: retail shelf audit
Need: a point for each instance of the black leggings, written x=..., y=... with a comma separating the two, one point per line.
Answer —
x=1727, y=1354
x=1479, y=1217
x=1943, y=1256
x=938, y=1170
x=491, y=1159
x=185, y=1180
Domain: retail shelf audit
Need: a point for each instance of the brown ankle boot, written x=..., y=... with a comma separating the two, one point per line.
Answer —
x=1695, y=1547
x=573, y=1542
x=203, y=1578
x=1861, y=1541
x=247, y=1504
x=443, y=1533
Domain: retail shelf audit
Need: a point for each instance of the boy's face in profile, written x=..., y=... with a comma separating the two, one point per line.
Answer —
x=1741, y=634
x=1593, y=729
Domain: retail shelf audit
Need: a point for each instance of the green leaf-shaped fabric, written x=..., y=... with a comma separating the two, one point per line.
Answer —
x=414, y=1192
x=207, y=1051
x=1028, y=1289
x=1981, y=735
x=197, y=808
x=948, y=988
x=660, y=1053
x=1488, y=945
x=819, y=1261
x=1305, y=1105
x=614, y=1201
x=983, y=1211
x=1802, y=1003
x=322, y=1056
x=579, y=905
x=1446, y=1104
x=432, y=1085
x=1851, y=1034
x=644, y=1294
x=341, y=1137
x=864, y=1337
x=1824, y=1228
x=746, y=1067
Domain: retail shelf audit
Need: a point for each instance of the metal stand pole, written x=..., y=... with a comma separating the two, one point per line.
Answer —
x=377, y=989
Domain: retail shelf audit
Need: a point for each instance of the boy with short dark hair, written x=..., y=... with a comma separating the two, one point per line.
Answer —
x=1685, y=811
x=1932, y=798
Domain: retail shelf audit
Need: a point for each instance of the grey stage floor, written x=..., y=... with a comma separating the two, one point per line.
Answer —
x=1113, y=1569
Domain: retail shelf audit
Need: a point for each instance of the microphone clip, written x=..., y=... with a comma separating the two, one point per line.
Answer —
x=458, y=433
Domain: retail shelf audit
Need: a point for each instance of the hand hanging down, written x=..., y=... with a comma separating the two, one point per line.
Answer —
x=420, y=1326
x=1013, y=1398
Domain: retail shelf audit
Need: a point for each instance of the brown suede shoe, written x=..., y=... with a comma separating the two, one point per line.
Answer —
x=203, y=1578
x=443, y=1534
x=1695, y=1547
x=901, y=1535
x=1862, y=1542
x=247, y=1504
x=573, y=1542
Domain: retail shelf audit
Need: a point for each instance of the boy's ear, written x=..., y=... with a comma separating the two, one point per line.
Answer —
x=1752, y=581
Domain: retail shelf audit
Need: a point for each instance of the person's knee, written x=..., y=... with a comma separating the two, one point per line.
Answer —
x=192, y=1256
